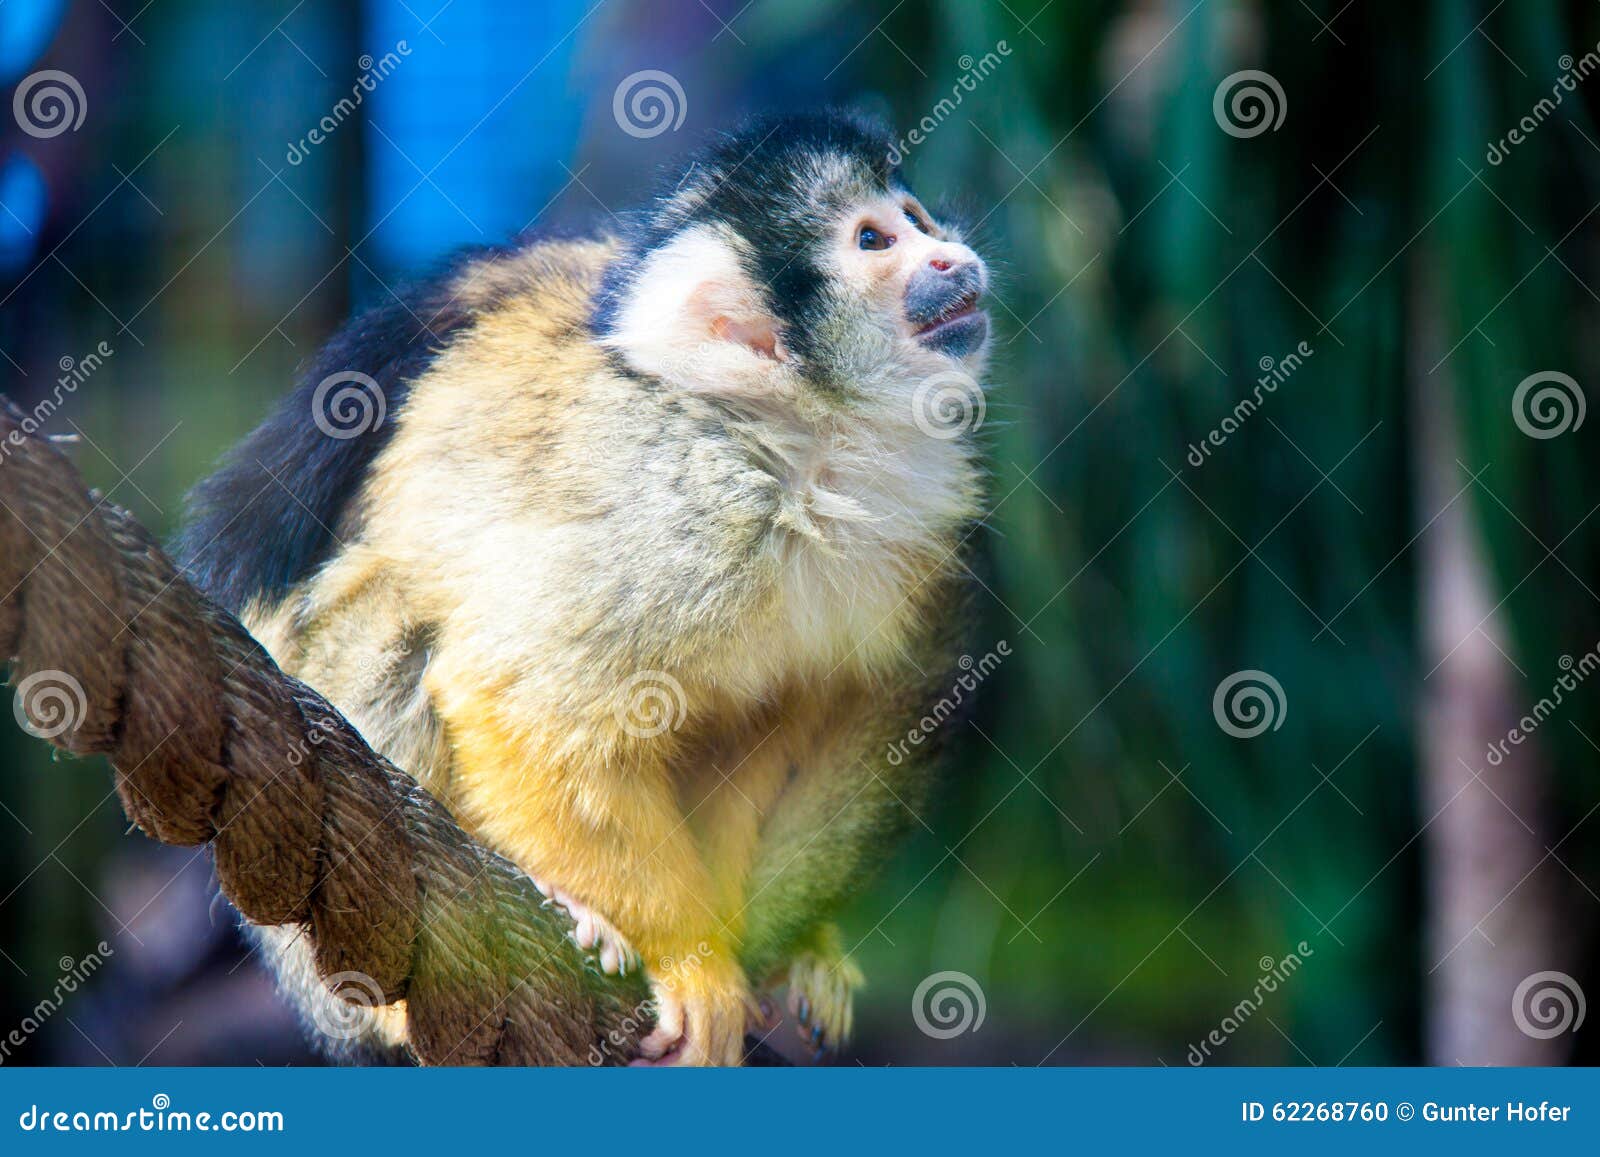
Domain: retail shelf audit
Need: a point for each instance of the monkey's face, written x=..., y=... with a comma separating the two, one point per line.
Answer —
x=790, y=262
x=914, y=279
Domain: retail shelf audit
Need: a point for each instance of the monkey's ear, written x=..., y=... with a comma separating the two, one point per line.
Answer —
x=691, y=316
x=728, y=313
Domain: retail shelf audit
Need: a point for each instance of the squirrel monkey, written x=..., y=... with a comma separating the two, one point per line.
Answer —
x=640, y=553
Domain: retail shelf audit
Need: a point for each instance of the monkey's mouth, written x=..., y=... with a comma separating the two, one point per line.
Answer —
x=958, y=330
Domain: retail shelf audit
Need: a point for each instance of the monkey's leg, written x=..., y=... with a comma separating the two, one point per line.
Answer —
x=833, y=826
x=822, y=981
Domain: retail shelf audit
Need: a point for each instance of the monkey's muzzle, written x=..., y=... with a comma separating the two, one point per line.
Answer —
x=942, y=306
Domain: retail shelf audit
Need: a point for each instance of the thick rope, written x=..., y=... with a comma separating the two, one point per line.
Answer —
x=114, y=653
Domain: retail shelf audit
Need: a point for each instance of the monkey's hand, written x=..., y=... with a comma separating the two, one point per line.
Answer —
x=822, y=983
x=703, y=1006
x=594, y=932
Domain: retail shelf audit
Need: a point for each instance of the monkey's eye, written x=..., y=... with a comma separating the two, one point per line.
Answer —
x=870, y=238
x=922, y=226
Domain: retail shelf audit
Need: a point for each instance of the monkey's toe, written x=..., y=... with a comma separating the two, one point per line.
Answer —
x=593, y=932
x=821, y=999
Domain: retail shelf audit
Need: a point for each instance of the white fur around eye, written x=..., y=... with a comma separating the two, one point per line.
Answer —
x=692, y=317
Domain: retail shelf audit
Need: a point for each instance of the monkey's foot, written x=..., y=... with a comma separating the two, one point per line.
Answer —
x=701, y=1013
x=822, y=986
x=594, y=932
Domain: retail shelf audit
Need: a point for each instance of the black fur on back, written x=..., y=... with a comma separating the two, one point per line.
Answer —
x=278, y=504
x=755, y=180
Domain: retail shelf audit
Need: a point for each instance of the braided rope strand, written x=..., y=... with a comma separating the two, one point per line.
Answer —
x=211, y=742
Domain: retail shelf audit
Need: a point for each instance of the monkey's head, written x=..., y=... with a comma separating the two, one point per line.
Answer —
x=790, y=260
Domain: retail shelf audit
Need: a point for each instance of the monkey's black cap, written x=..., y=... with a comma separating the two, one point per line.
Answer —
x=777, y=181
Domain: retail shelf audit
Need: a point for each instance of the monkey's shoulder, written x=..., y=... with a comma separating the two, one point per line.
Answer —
x=283, y=499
